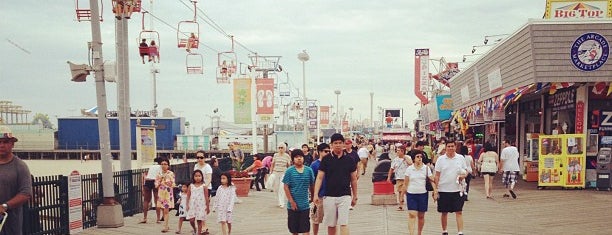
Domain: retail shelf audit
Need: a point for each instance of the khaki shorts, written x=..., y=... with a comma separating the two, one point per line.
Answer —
x=400, y=186
x=336, y=210
x=316, y=213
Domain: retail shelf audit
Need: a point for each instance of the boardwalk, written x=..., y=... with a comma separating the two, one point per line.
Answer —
x=550, y=211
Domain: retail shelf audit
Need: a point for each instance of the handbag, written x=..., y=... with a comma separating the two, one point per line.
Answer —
x=428, y=185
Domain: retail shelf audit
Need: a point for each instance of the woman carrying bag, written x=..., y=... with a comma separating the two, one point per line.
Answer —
x=417, y=195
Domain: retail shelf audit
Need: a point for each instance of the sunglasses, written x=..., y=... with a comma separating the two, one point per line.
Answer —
x=421, y=156
x=281, y=147
x=326, y=151
x=164, y=164
x=200, y=157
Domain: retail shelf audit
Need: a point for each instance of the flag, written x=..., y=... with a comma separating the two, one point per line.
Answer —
x=554, y=86
x=609, y=88
x=599, y=88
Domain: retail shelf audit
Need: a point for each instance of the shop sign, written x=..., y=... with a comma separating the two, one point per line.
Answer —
x=590, y=51
x=605, y=123
x=563, y=9
x=445, y=106
x=563, y=100
x=495, y=80
x=499, y=115
x=579, y=117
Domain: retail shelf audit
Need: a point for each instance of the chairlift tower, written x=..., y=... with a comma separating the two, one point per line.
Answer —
x=263, y=64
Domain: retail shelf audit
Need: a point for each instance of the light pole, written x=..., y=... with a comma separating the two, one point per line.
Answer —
x=337, y=92
x=303, y=56
x=350, y=118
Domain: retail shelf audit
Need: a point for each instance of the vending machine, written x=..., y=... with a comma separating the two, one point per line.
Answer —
x=562, y=161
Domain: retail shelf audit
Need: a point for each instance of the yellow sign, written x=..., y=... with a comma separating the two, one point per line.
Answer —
x=562, y=160
x=572, y=9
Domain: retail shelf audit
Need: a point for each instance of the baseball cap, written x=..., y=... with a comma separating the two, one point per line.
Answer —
x=7, y=133
x=348, y=141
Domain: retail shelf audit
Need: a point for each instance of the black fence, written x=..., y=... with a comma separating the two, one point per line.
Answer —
x=47, y=211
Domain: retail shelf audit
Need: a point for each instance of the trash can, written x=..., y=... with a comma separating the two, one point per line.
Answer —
x=379, y=178
x=604, y=169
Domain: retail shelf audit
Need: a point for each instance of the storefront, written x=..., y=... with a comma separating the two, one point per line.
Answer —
x=541, y=80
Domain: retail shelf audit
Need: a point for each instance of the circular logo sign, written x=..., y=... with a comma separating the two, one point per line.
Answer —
x=590, y=51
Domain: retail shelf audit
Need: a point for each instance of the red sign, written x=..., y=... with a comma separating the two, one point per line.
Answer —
x=324, y=115
x=265, y=96
x=579, y=117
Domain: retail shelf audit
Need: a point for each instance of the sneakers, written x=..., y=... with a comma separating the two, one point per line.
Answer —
x=513, y=194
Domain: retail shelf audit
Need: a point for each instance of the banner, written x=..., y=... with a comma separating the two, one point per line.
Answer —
x=445, y=107
x=421, y=73
x=324, y=115
x=585, y=10
x=146, y=144
x=265, y=100
x=242, y=101
x=312, y=117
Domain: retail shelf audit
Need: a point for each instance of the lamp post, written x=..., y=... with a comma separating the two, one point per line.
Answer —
x=303, y=56
x=337, y=92
x=350, y=118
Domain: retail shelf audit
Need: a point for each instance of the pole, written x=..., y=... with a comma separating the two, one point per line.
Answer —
x=337, y=112
x=371, y=109
x=306, y=128
x=154, y=71
x=123, y=94
x=253, y=113
x=106, y=161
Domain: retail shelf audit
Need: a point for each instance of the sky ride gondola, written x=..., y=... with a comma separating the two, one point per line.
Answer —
x=188, y=32
x=83, y=10
x=194, y=63
x=151, y=44
x=125, y=8
x=226, y=65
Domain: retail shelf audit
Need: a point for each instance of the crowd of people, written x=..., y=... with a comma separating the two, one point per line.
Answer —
x=316, y=187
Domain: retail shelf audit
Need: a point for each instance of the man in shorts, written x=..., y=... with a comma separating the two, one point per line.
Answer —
x=340, y=173
x=450, y=169
x=509, y=166
x=316, y=211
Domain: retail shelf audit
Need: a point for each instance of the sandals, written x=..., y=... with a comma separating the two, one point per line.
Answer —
x=205, y=232
x=400, y=209
x=143, y=221
x=177, y=232
x=165, y=230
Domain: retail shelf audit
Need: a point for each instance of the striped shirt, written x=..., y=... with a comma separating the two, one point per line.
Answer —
x=299, y=185
x=280, y=162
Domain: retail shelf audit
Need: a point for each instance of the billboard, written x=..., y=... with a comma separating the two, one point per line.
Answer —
x=324, y=112
x=586, y=9
x=421, y=73
x=265, y=100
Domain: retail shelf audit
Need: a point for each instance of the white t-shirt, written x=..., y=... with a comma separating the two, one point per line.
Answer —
x=363, y=153
x=399, y=166
x=154, y=170
x=510, y=156
x=449, y=169
x=206, y=169
x=468, y=162
x=416, y=178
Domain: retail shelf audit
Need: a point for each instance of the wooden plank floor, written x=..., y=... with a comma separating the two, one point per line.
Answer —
x=549, y=211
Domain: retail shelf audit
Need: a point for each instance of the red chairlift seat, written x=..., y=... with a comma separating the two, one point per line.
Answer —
x=150, y=36
x=83, y=13
x=188, y=32
x=134, y=4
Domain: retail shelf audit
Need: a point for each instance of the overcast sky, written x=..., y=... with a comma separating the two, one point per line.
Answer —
x=355, y=46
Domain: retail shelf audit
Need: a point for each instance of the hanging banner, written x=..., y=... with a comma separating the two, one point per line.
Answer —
x=146, y=144
x=242, y=101
x=345, y=126
x=421, y=73
x=445, y=107
x=265, y=100
x=312, y=117
x=324, y=115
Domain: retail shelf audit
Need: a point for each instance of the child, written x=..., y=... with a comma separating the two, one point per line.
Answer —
x=225, y=203
x=182, y=208
x=197, y=201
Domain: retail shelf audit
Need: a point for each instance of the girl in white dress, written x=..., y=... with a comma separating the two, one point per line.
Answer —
x=182, y=210
x=225, y=203
x=197, y=201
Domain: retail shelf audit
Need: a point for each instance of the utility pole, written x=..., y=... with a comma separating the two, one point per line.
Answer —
x=123, y=94
x=110, y=214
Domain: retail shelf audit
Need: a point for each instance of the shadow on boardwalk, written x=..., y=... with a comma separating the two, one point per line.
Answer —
x=550, y=211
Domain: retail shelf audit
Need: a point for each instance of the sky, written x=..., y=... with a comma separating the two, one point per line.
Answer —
x=355, y=46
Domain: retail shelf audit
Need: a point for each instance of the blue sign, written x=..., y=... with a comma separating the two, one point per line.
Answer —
x=445, y=107
x=590, y=51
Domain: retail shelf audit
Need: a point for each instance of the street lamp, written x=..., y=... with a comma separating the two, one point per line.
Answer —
x=303, y=56
x=337, y=92
x=350, y=119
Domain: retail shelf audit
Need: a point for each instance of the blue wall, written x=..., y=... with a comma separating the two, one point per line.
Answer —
x=77, y=133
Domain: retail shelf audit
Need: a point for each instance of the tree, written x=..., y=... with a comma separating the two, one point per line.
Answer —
x=43, y=119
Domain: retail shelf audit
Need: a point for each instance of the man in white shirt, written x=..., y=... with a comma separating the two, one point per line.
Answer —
x=398, y=167
x=509, y=166
x=450, y=168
